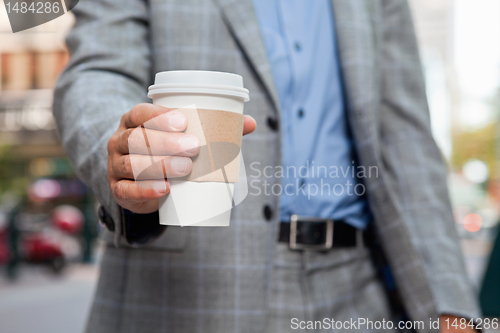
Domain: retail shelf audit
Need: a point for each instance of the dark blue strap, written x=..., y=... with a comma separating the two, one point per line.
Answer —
x=140, y=228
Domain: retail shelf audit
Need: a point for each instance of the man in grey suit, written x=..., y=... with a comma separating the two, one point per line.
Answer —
x=342, y=75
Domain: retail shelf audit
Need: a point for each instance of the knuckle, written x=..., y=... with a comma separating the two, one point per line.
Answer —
x=124, y=117
x=134, y=138
x=134, y=113
x=189, y=165
x=111, y=144
x=110, y=173
x=165, y=141
x=120, y=139
x=162, y=121
x=155, y=169
x=138, y=112
x=120, y=191
x=126, y=166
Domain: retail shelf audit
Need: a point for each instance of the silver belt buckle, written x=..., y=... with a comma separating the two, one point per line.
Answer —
x=293, y=234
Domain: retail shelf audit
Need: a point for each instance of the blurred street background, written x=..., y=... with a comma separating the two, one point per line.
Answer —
x=48, y=221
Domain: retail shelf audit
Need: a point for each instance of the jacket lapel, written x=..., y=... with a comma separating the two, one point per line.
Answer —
x=241, y=18
x=356, y=36
x=357, y=50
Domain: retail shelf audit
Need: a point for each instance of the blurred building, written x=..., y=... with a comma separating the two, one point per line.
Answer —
x=30, y=62
x=434, y=25
x=33, y=166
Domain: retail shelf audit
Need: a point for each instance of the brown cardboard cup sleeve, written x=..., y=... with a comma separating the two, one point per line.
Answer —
x=220, y=133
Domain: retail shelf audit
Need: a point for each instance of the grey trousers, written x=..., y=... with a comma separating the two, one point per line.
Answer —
x=151, y=291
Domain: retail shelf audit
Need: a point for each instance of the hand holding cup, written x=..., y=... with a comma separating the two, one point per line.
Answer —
x=173, y=155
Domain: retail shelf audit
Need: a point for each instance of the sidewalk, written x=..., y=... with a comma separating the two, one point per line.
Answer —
x=43, y=303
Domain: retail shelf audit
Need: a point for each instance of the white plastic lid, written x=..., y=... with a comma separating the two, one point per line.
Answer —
x=199, y=82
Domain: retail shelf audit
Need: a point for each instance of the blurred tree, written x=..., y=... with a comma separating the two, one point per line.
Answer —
x=480, y=144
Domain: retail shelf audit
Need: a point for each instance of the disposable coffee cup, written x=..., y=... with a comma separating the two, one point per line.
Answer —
x=213, y=103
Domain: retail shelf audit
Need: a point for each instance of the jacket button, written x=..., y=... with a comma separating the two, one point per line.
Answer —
x=268, y=212
x=272, y=123
x=106, y=219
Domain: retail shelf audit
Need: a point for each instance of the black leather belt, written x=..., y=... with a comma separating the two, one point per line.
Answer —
x=306, y=233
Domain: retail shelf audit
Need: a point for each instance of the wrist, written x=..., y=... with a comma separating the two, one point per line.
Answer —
x=141, y=228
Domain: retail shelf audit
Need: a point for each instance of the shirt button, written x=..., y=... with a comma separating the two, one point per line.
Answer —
x=301, y=113
x=268, y=212
x=297, y=46
x=272, y=123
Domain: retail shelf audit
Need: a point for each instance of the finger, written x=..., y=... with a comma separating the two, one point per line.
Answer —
x=132, y=191
x=155, y=117
x=151, y=142
x=249, y=125
x=145, y=167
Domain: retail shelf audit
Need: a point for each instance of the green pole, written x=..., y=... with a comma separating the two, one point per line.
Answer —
x=14, y=242
x=88, y=230
x=490, y=292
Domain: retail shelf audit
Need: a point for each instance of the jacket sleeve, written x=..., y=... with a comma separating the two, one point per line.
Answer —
x=108, y=73
x=418, y=172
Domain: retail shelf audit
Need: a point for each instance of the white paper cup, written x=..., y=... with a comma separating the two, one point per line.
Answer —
x=198, y=203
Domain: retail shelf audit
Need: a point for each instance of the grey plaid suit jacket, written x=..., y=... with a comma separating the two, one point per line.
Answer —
x=236, y=278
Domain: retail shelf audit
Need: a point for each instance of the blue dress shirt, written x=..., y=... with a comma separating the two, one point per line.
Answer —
x=319, y=176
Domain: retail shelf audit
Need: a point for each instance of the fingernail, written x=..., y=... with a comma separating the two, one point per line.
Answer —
x=189, y=144
x=179, y=165
x=177, y=121
x=160, y=187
